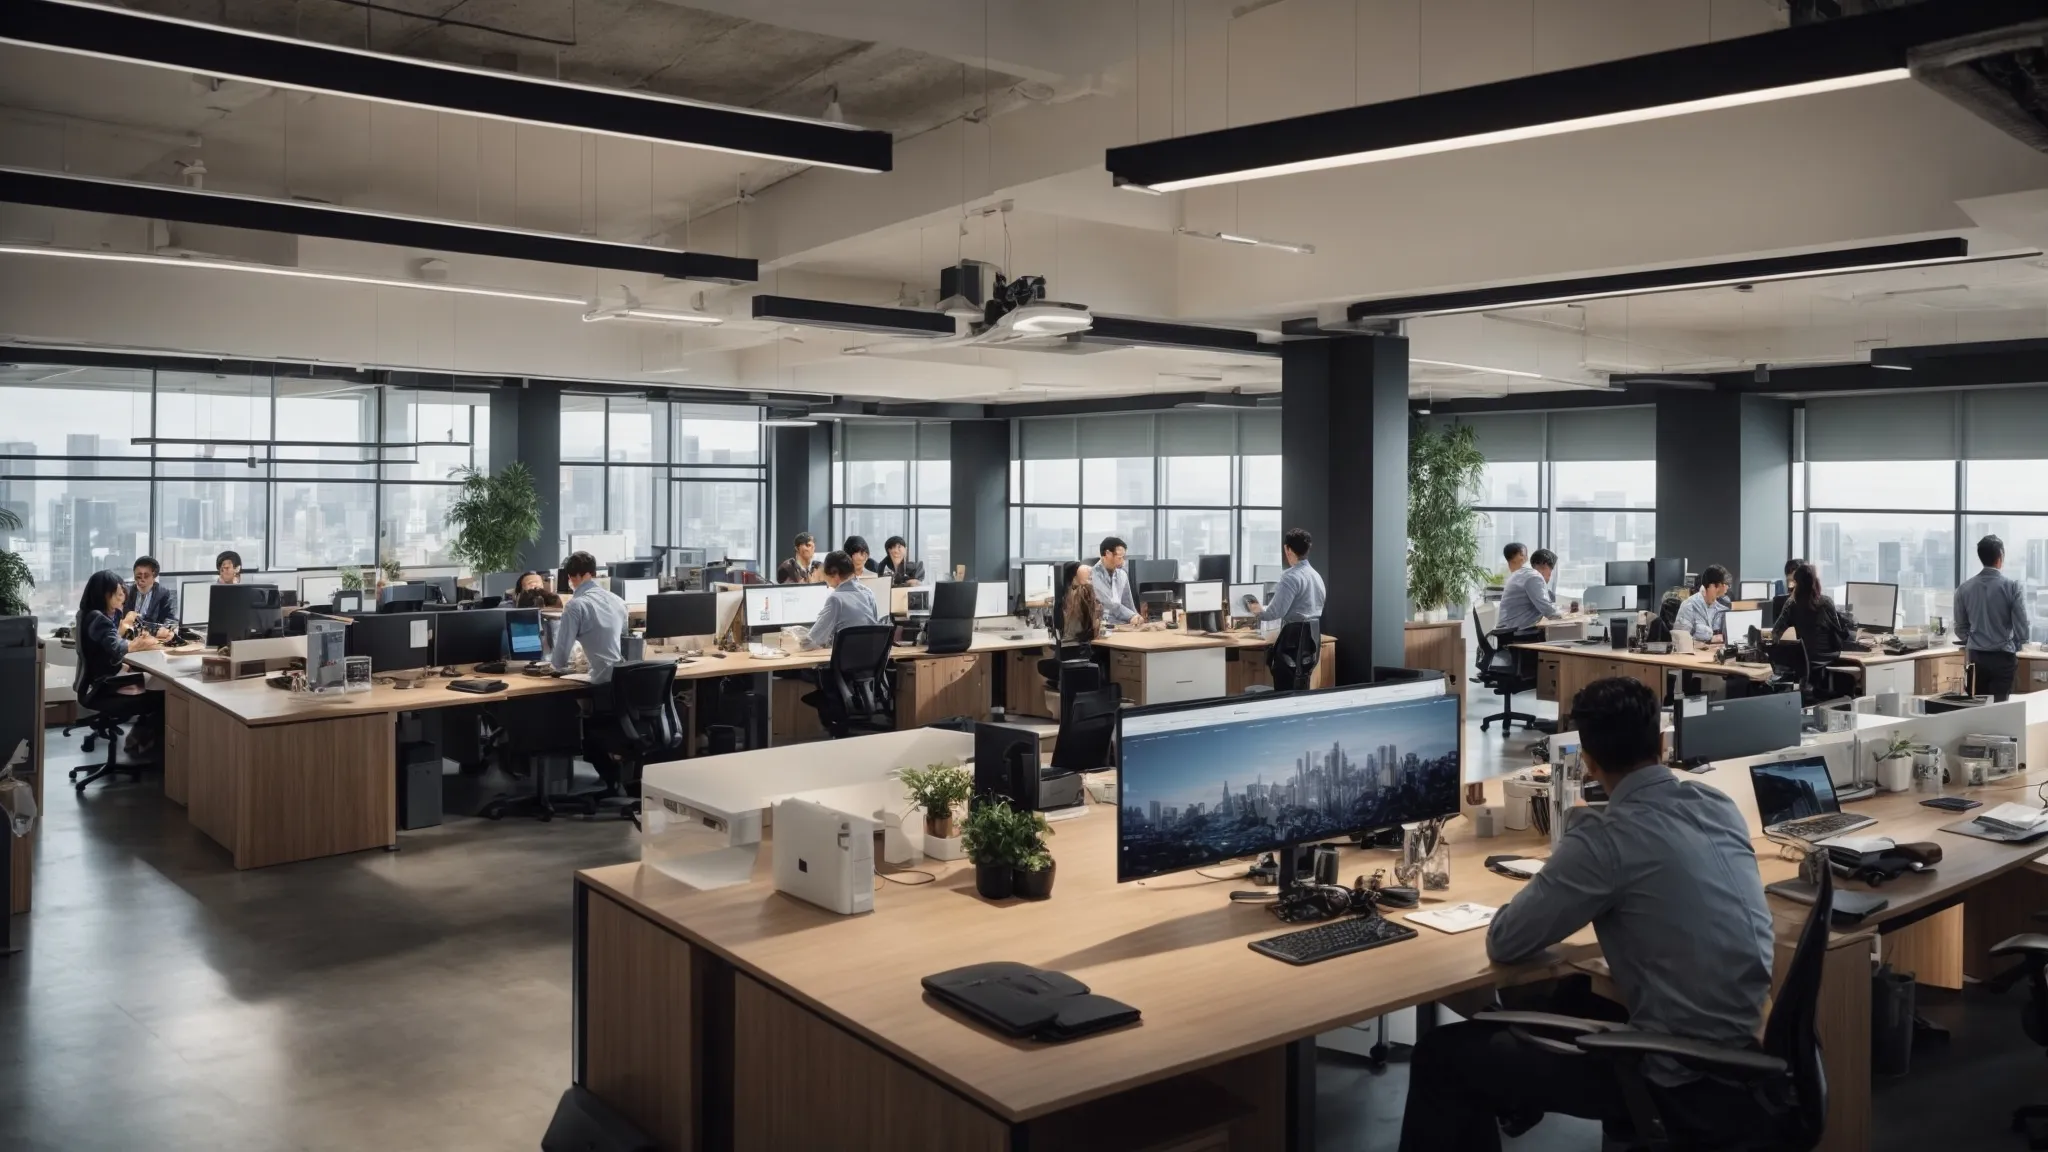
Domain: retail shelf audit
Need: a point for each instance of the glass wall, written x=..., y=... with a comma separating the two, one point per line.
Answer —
x=894, y=479
x=1176, y=484
x=282, y=469
x=688, y=477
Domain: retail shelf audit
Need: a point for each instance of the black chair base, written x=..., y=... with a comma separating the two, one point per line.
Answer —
x=106, y=728
x=539, y=804
x=1507, y=722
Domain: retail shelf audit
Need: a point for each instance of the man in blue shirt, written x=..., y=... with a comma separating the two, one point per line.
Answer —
x=594, y=618
x=1299, y=593
x=848, y=606
x=1113, y=585
x=1526, y=599
x=1704, y=611
x=1666, y=875
x=1992, y=622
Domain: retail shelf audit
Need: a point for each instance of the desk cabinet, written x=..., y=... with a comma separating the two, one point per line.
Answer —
x=1245, y=667
x=1938, y=673
x=790, y=720
x=1898, y=676
x=2033, y=675
x=936, y=687
x=177, y=746
x=1546, y=678
x=1024, y=690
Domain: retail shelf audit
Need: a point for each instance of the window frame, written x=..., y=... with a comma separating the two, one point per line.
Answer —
x=913, y=508
x=663, y=475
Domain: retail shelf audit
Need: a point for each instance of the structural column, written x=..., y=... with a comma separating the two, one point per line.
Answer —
x=1344, y=478
x=527, y=418
x=981, y=498
x=801, y=478
x=1724, y=481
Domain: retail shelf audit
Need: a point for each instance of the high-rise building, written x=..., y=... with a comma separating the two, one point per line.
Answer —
x=1889, y=561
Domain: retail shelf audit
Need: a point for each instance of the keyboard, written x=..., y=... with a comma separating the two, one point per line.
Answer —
x=1336, y=938
x=1820, y=827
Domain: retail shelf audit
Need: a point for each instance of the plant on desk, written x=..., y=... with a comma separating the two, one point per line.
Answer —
x=14, y=573
x=937, y=790
x=1895, y=762
x=1444, y=468
x=1034, y=874
x=493, y=515
x=1007, y=845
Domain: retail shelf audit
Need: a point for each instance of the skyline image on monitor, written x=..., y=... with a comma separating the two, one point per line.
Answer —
x=1196, y=795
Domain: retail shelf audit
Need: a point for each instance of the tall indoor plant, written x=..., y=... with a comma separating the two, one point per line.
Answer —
x=1444, y=469
x=493, y=515
x=14, y=573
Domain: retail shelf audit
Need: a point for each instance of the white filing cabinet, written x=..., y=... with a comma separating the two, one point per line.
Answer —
x=1188, y=674
x=1896, y=676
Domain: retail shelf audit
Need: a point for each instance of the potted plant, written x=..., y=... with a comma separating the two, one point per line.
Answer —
x=14, y=573
x=938, y=790
x=997, y=838
x=1895, y=762
x=1034, y=873
x=1444, y=469
x=493, y=515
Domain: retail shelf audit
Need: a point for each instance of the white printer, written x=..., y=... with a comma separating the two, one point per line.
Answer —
x=824, y=856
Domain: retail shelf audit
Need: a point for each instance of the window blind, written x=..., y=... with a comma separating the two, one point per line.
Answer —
x=2005, y=424
x=1049, y=438
x=1259, y=432
x=1603, y=434
x=1506, y=436
x=935, y=442
x=862, y=440
x=1104, y=437
x=1197, y=433
x=1908, y=426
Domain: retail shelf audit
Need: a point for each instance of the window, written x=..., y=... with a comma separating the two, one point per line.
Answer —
x=891, y=479
x=672, y=475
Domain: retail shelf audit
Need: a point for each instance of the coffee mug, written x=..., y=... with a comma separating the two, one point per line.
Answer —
x=1681, y=641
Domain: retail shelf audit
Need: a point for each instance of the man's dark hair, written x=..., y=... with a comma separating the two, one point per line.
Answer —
x=1618, y=724
x=579, y=564
x=150, y=563
x=1990, y=550
x=1792, y=566
x=228, y=557
x=1714, y=574
x=803, y=538
x=838, y=564
x=1298, y=541
x=1110, y=544
x=856, y=544
x=1543, y=558
x=895, y=542
x=1513, y=550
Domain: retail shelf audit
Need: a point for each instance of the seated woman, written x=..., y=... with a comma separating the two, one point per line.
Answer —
x=104, y=683
x=1082, y=614
x=535, y=596
x=1812, y=619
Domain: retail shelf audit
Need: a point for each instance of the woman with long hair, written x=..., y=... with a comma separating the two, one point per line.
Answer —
x=1813, y=618
x=1083, y=612
x=104, y=683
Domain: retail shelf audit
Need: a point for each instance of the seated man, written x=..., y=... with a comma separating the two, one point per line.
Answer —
x=1666, y=876
x=849, y=605
x=1526, y=600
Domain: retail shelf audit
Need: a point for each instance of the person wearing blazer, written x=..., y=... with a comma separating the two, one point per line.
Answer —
x=151, y=604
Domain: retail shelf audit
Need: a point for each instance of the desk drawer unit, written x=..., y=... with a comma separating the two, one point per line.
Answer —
x=1938, y=673
x=1192, y=674
x=177, y=745
x=1898, y=677
x=2033, y=675
x=1546, y=679
x=1127, y=671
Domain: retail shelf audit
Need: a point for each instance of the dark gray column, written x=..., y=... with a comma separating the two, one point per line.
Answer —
x=1344, y=478
x=981, y=498
x=1724, y=480
x=800, y=466
x=1766, y=487
x=528, y=419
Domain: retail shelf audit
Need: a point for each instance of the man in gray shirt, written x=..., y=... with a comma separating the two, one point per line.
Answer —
x=1526, y=600
x=849, y=605
x=1113, y=585
x=594, y=618
x=1991, y=621
x=1667, y=877
x=1298, y=594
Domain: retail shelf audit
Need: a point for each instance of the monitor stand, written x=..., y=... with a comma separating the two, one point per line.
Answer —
x=1288, y=875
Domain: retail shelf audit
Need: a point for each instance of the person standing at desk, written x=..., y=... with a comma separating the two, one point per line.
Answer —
x=801, y=568
x=1113, y=585
x=849, y=605
x=151, y=606
x=1703, y=611
x=227, y=567
x=594, y=618
x=1666, y=876
x=897, y=565
x=1525, y=600
x=1299, y=593
x=1992, y=622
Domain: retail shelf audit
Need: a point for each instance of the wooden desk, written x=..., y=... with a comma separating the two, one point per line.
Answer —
x=2033, y=673
x=741, y=1018
x=1244, y=663
x=1563, y=669
x=1921, y=673
x=1439, y=646
x=1165, y=665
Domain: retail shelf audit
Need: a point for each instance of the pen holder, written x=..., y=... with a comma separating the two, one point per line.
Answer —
x=1408, y=866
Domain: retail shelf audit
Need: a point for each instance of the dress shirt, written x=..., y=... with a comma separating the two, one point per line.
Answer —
x=1113, y=591
x=1666, y=875
x=1524, y=600
x=848, y=606
x=1700, y=618
x=595, y=619
x=159, y=606
x=1297, y=596
x=1991, y=613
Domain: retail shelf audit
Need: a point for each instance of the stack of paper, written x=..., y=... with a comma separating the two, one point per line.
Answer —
x=2011, y=817
x=1454, y=917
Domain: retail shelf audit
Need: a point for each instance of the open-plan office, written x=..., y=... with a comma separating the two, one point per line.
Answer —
x=715, y=576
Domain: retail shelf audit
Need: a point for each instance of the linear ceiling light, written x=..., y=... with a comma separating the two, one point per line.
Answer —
x=1477, y=368
x=1841, y=261
x=294, y=273
x=1800, y=61
x=633, y=309
x=914, y=322
x=231, y=210
x=1249, y=241
x=241, y=54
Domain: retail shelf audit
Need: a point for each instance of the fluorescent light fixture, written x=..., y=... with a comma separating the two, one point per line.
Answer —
x=1249, y=241
x=1892, y=367
x=291, y=273
x=789, y=423
x=279, y=61
x=1477, y=368
x=1804, y=60
x=634, y=310
x=1140, y=189
x=1042, y=318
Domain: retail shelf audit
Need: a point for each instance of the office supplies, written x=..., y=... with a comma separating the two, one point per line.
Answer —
x=824, y=857
x=1018, y=1000
x=1337, y=938
x=1796, y=799
x=1874, y=607
x=2002, y=753
x=394, y=642
x=1754, y=590
x=2008, y=823
x=477, y=687
x=1704, y=729
x=1850, y=906
x=1519, y=867
x=1454, y=918
x=781, y=605
x=1212, y=567
x=682, y=614
x=522, y=634
x=241, y=612
x=991, y=600
x=472, y=637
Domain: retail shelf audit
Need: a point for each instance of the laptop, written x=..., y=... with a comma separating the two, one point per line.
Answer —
x=1795, y=799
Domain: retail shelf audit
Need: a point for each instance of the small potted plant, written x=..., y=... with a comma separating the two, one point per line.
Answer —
x=1895, y=762
x=938, y=790
x=1034, y=873
x=997, y=838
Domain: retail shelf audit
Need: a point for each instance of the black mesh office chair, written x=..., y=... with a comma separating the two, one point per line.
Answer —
x=636, y=723
x=111, y=711
x=854, y=693
x=2032, y=949
x=1087, y=729
x=1791, y=671
x=542, y=734
x=1509, y=671
x=1786, y=1076
x=1294, y=654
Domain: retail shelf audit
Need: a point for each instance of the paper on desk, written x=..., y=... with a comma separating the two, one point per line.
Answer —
x=2016, y=814
x=1454, y=918
x=1523, y=867
x=1862, y=845
x=420, y=634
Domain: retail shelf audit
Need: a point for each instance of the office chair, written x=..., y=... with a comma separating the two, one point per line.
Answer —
x=854, y=693
x=1087, y=729
x=637, y=723
x=2032, y=949
x=1294, y=654
x=1509, y=671
x=547, y=733
x=110, y=710
x=1786, y=1075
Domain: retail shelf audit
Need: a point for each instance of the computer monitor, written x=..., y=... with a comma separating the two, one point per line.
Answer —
x=194, y=599
x=636, y=590
x=440, y=589
x=991, y=600
x=1736, y=625
x=470, y=637
x=1216, y=780
x=1267, y=573
x=1155, y=572
x=319, y=588
x=1668, y=572
x=1628, y=573
x=241, y=612
x=1609, y=598
x=916, y=601
x=1213, y=567
x=1754, y=590
x=1156, y=601
x=348, y=601
x=522, y=634
x=954, y=600
x=401, y=597
x=1874, y=606
x=506, y=584
x=395, y=642
x=879, y=587
x=632, y=569
x=607, y=548
x=1038, y=580
x=784, y=605
x=1704, y=729
x=1202, y=596
x=682, y=614
x=1239, y=593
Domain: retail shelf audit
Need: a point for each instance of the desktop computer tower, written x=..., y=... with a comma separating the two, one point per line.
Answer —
x=419, y=785
x=1007, y=764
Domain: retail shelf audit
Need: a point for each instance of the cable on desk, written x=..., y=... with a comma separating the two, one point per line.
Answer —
x=891, y=878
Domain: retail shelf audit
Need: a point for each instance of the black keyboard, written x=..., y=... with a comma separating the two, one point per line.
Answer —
x=1819, y=827
x=1336, y=938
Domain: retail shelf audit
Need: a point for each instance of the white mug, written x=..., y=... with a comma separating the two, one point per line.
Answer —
x=1681, y=641
x=1895, y=775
